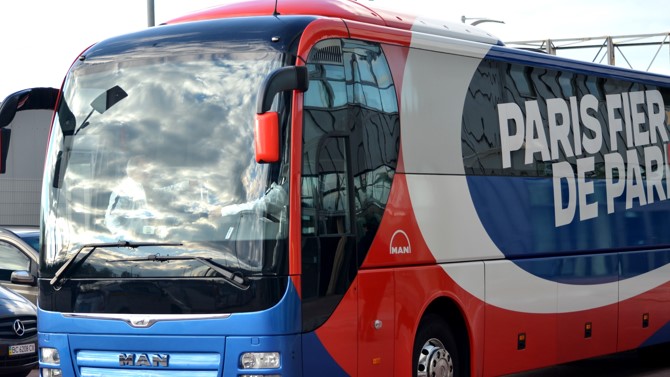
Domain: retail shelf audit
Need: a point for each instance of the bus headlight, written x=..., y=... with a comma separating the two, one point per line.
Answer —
x=50, y=372
x=49, y=356
x=260, y=360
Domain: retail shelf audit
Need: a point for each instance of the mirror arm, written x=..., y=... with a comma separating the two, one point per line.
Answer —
x=282, y=79
x=27, y=99
x=9, y=106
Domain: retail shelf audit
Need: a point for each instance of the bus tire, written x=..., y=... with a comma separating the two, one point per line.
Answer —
x=435, y=350
x=655, y=356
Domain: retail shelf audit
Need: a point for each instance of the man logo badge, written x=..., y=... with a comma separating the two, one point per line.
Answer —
x=143, y=360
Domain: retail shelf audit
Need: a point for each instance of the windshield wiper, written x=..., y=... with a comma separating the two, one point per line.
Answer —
x=61, y=275
x=235, y=279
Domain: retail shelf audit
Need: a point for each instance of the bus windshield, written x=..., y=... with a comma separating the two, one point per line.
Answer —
x=160, y=150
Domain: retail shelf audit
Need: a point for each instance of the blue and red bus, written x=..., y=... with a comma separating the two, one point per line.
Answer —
x=293, y=188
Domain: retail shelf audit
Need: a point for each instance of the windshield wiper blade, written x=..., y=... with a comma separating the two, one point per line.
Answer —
x=60, y=275
x=235, y=279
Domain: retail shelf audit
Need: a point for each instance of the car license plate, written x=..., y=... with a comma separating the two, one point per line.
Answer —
x=21, y=349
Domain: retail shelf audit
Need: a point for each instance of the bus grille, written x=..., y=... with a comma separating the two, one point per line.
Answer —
x=108, y=364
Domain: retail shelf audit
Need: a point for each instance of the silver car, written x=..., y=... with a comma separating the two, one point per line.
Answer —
x=18, y=260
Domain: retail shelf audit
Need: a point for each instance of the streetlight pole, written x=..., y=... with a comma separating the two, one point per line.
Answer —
x=151, y=19
x=479, y=20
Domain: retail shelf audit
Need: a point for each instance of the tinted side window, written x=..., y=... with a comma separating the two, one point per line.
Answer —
x=350, y=151
x=563, y=116
x=352, y=94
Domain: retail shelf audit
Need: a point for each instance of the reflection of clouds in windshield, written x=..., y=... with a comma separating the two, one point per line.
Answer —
x=253, y=182
x=192, y=118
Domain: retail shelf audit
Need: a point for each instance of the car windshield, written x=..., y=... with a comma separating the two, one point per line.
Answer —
x=29, y=235
x=32, y=239
x=160, y=150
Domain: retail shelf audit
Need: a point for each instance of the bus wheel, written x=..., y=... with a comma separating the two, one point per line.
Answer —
x=435, y=352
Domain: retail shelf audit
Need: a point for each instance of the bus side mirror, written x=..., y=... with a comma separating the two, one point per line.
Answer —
x=27, y=99
x=266, y=137
x=4, y=148
x=266, y=131
x=7, y=113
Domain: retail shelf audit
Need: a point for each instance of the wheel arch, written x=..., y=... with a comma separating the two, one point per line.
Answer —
x=451, y=312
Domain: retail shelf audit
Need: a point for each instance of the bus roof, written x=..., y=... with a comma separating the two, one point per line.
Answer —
x=344, y=9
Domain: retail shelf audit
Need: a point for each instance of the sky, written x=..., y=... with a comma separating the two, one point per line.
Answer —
x=40, y=39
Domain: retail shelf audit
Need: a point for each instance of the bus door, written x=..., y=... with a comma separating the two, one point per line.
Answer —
x=328, y=255
x=350, y=150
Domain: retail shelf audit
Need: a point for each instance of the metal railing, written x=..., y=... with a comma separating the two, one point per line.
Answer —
x=607, y=47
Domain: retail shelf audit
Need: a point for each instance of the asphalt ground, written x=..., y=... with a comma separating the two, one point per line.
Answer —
x=626, y=364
